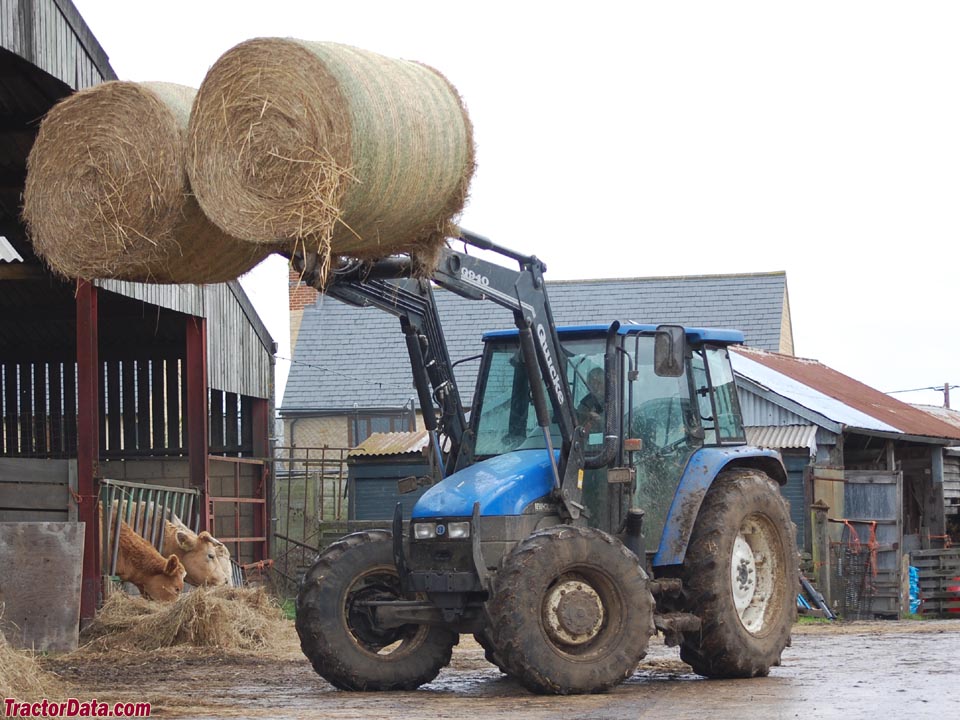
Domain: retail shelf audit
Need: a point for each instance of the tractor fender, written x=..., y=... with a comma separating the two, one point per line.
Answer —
x=698, y=476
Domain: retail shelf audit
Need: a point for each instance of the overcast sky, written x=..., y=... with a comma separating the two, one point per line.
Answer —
x=643, y=139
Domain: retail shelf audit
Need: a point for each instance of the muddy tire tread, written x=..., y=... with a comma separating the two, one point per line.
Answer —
x=723, y=648
x=520, y=651
x=327, y=643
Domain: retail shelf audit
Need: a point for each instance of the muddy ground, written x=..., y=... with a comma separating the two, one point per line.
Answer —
x=907, y=670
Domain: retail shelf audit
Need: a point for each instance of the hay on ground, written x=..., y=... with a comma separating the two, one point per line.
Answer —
x=107, y=194
x=21, y=677
x=225, y=618
x=336, y=148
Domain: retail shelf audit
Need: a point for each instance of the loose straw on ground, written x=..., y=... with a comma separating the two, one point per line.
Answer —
x=107, y=194
x=224, y=618
x=334, y=148
x=21, y=677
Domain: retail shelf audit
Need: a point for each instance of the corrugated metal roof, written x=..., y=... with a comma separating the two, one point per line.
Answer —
x=837, y=396
x=7, y=252
x=948, y=415
x=392, y=443
x=779, y=437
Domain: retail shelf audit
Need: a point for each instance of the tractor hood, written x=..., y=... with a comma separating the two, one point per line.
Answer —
x=503, y=485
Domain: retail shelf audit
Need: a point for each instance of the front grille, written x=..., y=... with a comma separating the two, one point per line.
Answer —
x=441, y=556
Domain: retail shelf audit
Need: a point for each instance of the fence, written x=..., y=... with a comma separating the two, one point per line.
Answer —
x=144, y=508
x=939, y=581
x=854, y=568
x=309, y=503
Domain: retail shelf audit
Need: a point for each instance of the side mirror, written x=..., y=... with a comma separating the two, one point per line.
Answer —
x=669, y=350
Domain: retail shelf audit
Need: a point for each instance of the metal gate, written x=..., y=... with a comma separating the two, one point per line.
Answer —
x=309, y=504
x=872, y=504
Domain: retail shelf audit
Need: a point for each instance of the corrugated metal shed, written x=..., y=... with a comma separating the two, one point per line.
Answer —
x=52, y=35
x=948, y=415
x=394, y=443
x=347, y=355
x=239, y=348
x=783, y=436
x=46, y=52
x=835, y=396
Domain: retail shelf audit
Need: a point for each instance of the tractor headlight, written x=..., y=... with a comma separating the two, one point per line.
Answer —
x=424, y=531
x=458, y=530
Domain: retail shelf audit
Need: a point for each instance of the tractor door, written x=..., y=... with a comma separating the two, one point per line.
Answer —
x=661, y=416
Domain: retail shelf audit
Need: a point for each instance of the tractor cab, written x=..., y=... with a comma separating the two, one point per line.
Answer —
x=665, y=411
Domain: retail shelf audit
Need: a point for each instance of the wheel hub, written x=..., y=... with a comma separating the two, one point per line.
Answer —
x=573, y=613
x=752, y=572
x=743, y=573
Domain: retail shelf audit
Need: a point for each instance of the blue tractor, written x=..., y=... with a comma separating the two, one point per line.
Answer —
x=601, y=491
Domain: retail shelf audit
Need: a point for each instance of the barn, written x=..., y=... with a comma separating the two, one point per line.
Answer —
x=154, y=392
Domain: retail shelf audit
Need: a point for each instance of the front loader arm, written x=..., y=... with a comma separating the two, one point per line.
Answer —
x=389, y=285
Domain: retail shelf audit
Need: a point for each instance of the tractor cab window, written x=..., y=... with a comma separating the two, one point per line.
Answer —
x=717, y=396
x=505, y=417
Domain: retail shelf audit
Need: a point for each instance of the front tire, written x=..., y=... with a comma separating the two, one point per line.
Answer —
x=741, y=577
x=572, y=612
x=338, y=634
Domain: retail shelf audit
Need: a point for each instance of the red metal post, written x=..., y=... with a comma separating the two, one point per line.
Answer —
x=198, y=422
x=88, y=443
x=260, y=421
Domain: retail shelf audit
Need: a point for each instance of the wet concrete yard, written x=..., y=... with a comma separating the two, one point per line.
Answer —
x=908, y=670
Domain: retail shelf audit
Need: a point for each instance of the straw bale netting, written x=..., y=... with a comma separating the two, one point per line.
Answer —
x=336, y=148
x=224, y=618
x=21, y=677
x=107, y=192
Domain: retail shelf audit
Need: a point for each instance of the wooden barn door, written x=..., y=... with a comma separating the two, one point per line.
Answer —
x=875, y=496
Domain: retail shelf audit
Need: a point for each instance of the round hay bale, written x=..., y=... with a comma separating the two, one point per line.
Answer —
x=338, y=149
x=107, y=192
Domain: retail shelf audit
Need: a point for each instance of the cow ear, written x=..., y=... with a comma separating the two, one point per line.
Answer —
x=172, y=566
x=185, y=540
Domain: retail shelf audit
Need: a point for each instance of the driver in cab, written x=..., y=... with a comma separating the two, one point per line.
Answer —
x=590, y=407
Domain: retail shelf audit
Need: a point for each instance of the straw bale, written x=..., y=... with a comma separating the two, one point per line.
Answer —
x=224, y=617
x=21, y=677
x=107, y=192
x=339, y=149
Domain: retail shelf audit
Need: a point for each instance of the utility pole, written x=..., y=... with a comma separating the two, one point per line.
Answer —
x=946, y=395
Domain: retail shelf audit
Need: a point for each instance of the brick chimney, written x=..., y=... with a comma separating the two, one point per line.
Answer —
x=301, y=296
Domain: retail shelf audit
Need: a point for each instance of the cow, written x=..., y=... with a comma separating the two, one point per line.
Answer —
x=206, y=559
x=139, y=563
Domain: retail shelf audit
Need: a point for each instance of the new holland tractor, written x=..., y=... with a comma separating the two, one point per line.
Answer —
x=601, y=491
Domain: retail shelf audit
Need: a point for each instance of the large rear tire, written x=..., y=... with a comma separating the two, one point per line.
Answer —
x=741, y=576
x=338, y=634
x=571, y=613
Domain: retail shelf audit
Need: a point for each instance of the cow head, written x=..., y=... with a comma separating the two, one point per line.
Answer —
x=166, y=585
x=199, y=554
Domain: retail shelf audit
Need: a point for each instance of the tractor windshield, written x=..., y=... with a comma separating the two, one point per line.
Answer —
x=505, y=419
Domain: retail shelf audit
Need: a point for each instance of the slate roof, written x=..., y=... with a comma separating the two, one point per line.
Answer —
x=349, y=357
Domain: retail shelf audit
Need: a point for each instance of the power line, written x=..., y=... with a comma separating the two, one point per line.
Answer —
x=939, y=388
x=364, y=381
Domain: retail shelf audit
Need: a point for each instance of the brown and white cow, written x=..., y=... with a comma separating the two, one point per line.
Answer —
x=202, y=555
x=139, y=563
x=206, y=559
